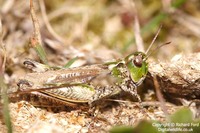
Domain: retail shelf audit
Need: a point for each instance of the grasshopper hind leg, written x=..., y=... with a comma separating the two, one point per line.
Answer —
x=104, y=92
x=108, y=91
x=97, y=102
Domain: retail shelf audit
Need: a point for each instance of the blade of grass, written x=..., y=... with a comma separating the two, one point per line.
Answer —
x=39, y=50
x=154, y=23
x=6, y=111
x=70, y=62
x=35, y=40
x=3, y=86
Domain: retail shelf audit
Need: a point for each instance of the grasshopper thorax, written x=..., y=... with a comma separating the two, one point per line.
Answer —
x=133, y=67
x=137, y=66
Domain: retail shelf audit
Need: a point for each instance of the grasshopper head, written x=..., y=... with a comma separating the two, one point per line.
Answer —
x=137, y=66
x=24, y=84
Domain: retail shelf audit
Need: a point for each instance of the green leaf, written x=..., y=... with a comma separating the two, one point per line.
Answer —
x=183, y=115
x=183, y=119
x=143, y=127
x=146, y=127
x=122, y=129
x=196, y=126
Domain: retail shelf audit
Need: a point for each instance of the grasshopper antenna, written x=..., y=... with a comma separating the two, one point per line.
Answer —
x=153, y=39
x=156, y=49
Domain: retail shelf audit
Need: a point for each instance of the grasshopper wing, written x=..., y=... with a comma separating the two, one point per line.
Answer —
x=62, y=76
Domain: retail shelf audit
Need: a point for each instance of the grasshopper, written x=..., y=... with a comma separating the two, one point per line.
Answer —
x=73, y=86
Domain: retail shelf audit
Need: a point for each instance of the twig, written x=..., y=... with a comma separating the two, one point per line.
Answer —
x=36, y=33
x=160, y=96
x=2, y=46
x=48, y=25
x=67, y=10
x=144, y=103
x=138, y=38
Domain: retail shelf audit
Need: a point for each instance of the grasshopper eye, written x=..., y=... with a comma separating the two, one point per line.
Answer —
x=28, y=64
x=137, y=61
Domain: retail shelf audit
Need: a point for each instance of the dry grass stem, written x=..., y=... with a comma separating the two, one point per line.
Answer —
x=48, y=25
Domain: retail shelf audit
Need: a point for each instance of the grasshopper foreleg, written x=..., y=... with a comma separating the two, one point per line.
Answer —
x=130, y=87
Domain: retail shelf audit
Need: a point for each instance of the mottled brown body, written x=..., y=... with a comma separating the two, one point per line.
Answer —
x=59, y=87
